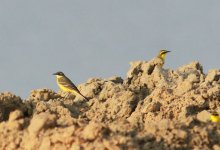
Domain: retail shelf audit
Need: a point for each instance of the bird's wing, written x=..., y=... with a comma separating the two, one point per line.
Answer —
x=67, y=83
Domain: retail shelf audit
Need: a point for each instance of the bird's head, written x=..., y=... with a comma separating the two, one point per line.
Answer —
x=59, y=74
x=162, y=54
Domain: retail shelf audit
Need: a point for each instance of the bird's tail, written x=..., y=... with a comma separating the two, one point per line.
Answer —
x=75, y=92
x=84, y=97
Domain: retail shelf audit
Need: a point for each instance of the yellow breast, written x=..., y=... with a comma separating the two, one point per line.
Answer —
x=214, y=118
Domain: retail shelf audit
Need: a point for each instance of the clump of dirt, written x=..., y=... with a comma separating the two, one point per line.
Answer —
x=9, y=103
x=152, y=108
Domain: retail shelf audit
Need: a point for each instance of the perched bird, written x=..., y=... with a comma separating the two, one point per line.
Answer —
x=214, y=117
x=162, y=56
x=157, y=61
x=66, y=85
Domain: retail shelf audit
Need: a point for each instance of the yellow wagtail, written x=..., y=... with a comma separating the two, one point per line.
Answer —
x=157, y=61
x=66, y=85
x=162, y=56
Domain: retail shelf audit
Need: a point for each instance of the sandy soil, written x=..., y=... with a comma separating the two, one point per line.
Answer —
x=152, y=108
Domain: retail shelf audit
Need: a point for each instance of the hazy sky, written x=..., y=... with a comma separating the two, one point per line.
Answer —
x=98, y=38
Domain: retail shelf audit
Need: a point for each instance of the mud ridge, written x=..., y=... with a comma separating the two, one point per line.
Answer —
x=152, y=108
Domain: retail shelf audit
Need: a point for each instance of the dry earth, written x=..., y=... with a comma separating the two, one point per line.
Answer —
x=152, y=108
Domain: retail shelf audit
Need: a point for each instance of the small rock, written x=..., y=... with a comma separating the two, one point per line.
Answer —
x=203, y=116
x=92, y=130
x=15, y=115
x=216, y=147
x=115, y=79
x=213, y=75
x=152, y=107
x=41, y=121
x=180, y=133
x=45, y=144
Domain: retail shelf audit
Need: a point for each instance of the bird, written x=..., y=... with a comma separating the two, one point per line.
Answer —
x=159, y=61
x=66, y=85
x=162, y=56
x=214, y=117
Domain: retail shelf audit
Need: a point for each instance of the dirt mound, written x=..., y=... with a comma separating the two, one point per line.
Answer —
x=152, y=108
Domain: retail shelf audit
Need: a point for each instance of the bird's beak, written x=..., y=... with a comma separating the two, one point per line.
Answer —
x=168, y=51
x=54, y=73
